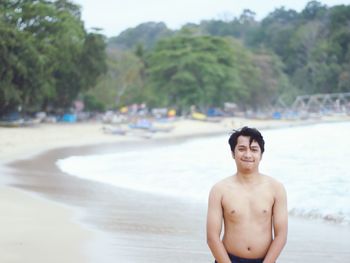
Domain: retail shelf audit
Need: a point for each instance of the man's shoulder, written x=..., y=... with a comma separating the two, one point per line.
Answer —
x=276, y=185
x=222, y=184
x=272, y=180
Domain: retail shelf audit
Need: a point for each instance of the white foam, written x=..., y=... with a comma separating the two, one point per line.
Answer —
x=311, y=161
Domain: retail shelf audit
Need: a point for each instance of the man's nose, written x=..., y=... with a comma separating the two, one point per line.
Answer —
x=248, y=153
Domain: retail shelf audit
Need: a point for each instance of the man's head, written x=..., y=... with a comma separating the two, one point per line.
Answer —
x=252, y=133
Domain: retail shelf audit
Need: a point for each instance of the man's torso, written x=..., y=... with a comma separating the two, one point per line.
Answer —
x=247, y=213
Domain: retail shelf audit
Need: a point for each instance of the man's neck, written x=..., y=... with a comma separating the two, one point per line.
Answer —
x=248, y=178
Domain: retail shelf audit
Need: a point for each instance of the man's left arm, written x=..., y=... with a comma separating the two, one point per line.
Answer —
x=280, y=225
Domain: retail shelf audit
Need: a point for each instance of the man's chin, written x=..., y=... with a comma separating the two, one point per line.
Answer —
x=247, y=169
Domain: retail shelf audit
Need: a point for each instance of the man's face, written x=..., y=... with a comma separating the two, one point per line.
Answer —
x=247, y=156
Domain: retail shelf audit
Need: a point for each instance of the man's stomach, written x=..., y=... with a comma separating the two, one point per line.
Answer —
x=247, y=241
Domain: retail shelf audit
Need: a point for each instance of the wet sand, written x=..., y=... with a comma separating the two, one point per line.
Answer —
x=137, y=227
x=119, y=225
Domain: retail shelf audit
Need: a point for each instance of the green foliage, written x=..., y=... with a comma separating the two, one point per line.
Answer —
x=313, y=45
x=274, y=84
x=313, y=10
x=92, y=59
x=244, y=27
x=92, y=104
x=200, y=70
x=25, y=79
x=146, y=34
x=47, y=58
x=122, y=84
x=287, y=54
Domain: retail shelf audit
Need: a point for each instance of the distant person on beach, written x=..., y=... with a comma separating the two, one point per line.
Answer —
x=252, y=206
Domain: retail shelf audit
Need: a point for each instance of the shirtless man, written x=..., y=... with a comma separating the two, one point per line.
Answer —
x=252, y=206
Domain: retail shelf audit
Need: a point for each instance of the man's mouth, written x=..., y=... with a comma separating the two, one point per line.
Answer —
x=248, y=161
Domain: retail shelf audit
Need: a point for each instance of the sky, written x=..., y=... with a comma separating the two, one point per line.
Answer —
x=115, y=16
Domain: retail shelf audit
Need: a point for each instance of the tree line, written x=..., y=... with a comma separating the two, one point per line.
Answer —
x=255, y=64
x=48, y=59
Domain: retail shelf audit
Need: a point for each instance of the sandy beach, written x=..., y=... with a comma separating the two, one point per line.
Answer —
x=45, y=212
x=35, y=230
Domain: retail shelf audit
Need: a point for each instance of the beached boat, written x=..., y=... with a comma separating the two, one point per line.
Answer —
x=11, y=124
x=113, y=130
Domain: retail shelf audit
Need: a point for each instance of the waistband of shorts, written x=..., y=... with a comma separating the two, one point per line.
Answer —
x=245, y=260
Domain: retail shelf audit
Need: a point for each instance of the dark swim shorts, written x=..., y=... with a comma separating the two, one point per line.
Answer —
x=235, y=259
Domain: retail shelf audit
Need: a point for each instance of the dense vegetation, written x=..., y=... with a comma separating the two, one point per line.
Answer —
x=46, y=56
x=48, y=59
x=267, y=62
x=208, y=71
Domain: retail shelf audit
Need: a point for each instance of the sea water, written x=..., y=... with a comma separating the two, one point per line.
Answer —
x=311, y=161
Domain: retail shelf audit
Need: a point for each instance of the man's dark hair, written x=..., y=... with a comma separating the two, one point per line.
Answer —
x=252, y=133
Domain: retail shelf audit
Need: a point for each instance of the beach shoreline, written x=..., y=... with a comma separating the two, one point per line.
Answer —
x=88, y=139
x=24, y=142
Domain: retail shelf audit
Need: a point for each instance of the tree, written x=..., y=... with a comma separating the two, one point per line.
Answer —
x=199, y=70
x=146, y=34
x=313, y=10
x=25, y=76
x=47, y=55
x=276, y=31
x=273, y=83
x=286, y=54
x=122, y=83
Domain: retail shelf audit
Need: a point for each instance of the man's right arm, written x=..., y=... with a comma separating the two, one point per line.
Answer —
x=214, y=226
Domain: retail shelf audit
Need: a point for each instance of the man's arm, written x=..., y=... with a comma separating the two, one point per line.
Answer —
x=280, y=225
x=214, y=226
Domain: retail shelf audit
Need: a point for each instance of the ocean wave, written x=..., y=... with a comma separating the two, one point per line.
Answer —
x=319, y=215
x=314, y=173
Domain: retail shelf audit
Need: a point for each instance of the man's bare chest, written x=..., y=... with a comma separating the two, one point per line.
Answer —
x=243, y=205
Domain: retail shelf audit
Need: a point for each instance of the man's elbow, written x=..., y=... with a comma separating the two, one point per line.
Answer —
x=209, y=240
x=282, y=239
x=212, y=240
x=283, y=242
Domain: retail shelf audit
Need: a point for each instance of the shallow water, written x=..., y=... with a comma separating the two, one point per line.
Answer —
x=311, y=161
